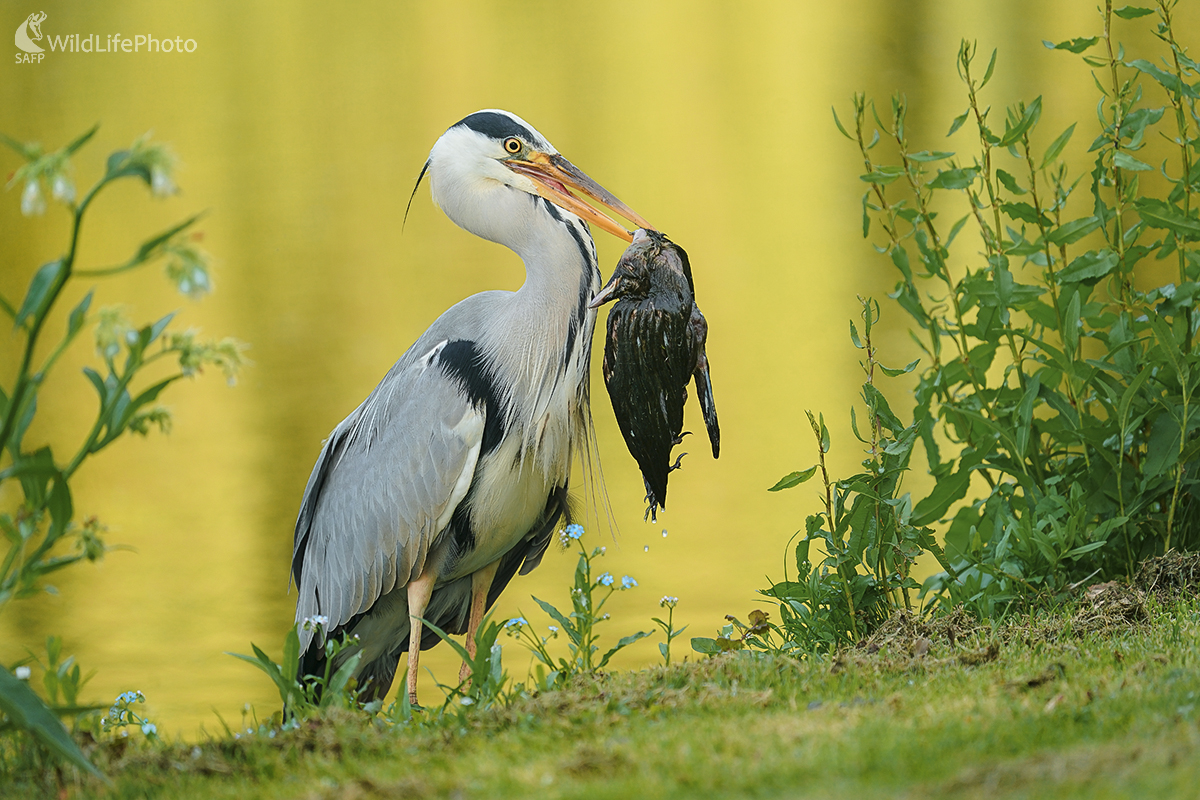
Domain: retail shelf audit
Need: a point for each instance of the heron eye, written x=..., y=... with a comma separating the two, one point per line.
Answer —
x=512, y=144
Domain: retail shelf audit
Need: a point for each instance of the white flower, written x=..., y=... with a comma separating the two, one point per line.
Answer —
x=62, y=188
x=315, y=621
x=668, y=601
x=23, y=673
x=161, y=184
x=33, y=202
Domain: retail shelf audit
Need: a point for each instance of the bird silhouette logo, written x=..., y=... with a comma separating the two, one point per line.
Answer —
x=30, y=31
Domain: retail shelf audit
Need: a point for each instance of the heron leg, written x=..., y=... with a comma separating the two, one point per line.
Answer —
x=481, y=584
x=419, y=592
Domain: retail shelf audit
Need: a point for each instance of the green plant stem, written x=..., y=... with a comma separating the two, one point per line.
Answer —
x=1183, y=128
x=24, y=379
x=829, y=514
x=1118, y=240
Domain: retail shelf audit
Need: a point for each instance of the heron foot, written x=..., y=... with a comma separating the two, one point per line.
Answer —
x=676, y=465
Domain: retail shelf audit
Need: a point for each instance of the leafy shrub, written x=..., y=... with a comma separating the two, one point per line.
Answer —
x=43, y=532
x=865, y=531
x=1056, y=405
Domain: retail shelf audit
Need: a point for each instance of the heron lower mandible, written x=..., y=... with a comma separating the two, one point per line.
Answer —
x=452, y=475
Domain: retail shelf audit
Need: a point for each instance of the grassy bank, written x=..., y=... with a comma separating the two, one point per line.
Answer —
x=1099, y=699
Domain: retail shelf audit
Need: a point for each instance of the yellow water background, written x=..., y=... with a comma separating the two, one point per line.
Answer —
x=301, y=127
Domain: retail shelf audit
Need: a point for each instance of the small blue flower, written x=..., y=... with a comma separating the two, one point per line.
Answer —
x=149, y=729
x=515, y=622
x=628, y=582
x=574, y=531
x=605, y=580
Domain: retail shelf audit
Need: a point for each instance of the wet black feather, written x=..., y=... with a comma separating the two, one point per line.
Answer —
x=654, y=346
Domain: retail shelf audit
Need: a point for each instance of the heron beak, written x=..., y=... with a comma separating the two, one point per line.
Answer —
x=554, y=176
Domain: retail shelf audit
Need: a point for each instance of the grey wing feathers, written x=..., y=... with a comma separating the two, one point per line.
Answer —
x=384, y=487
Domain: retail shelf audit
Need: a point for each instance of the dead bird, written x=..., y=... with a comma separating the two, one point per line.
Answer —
x=654, y=346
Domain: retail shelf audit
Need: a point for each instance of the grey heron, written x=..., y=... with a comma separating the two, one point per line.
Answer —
x=450, y=478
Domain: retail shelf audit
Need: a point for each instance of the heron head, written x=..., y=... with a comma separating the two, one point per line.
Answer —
x=491, y=149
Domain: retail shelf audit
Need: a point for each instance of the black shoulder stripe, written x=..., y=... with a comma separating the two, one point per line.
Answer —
x=584, y=282
x=464, y=362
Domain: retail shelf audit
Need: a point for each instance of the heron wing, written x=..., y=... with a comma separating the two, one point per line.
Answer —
x=384, y=487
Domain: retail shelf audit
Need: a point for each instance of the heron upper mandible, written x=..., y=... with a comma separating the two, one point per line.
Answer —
x=452, y=475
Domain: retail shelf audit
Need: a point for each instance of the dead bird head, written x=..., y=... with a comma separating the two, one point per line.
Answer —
x=652, y=265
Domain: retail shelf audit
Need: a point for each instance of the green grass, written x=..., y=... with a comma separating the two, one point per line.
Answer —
x=1121, y=718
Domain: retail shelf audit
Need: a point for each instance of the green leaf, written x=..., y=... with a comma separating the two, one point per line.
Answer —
x=705, y=646
x=1132, y=12
x=857, y=342
x=891, y=373
x=1162, y=447
x=79, y=315
x=1010, y=182
x=1168, y=81
x=1073, y=45
x=1057, y=146
x=1125, y=161
x=1024, y=212
x=1073, y=231
x=1029, y=118
x=987, y=76
x=958, y=122
x=948, y=490
x=793, y=479
x=926, y=156
x=28, y=713
x=1025, y=415
x=838, y=122
x=623, y=643
x=81, y=140
x=289, y=667
x=150, y=247
x=1164, y=215
x=58, y=502
x=567, y=627
x=1090, y=266
x=37, y=298
x=337, y=683
x=882, y=175
x=958, y=178
x=1070, y=331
